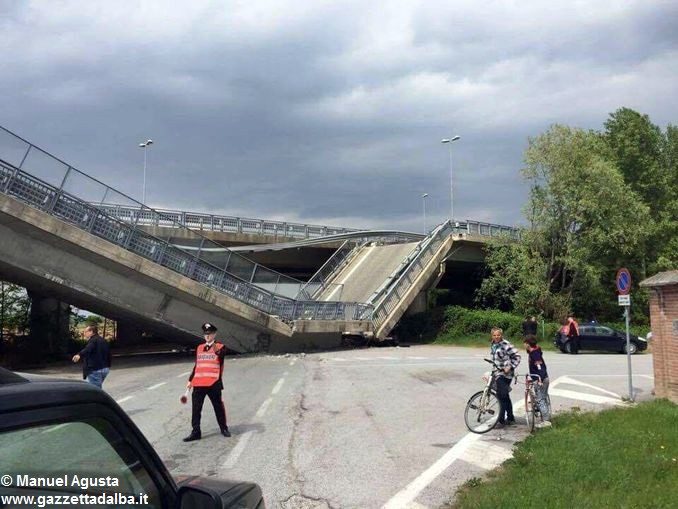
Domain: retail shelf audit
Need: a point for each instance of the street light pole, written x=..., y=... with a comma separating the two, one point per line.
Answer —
x=423, y=199
x=144, y=145
x=449, y=141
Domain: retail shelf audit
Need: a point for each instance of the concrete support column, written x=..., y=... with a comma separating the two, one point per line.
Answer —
x=419, y=304
x=128, y=334
x=49, y=324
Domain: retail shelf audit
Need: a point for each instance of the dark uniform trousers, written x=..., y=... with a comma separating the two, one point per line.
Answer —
x=213, y=392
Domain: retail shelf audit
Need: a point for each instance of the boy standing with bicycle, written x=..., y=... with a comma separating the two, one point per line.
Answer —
x=506, y=358
x=539, y=374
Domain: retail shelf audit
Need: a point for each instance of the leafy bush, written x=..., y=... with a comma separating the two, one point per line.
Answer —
x=461, y=321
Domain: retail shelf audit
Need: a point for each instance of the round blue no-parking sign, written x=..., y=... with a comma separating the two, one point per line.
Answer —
x=623, y=281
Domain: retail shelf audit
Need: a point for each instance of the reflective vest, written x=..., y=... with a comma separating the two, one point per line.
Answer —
x=207, y=365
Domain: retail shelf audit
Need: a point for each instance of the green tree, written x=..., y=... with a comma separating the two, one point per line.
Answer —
x=582, y=214
x=648, y=160
x=14, y=308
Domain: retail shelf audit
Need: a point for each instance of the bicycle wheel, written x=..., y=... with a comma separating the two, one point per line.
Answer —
x=529, y=409
x=482, y=412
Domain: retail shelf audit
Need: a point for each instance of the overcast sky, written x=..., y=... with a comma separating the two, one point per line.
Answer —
x=324, y=111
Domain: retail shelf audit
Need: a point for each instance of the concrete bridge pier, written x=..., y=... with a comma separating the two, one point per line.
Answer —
x=49, y=324
x=127, y=334
x=419, y=304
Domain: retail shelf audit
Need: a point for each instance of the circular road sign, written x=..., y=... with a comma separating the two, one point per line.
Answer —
x=623, y=281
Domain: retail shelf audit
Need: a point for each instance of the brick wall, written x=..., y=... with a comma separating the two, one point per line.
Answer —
x=664, y=321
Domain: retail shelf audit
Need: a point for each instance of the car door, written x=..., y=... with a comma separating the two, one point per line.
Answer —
x=85, y=445
x=587, y=337
x=607, y=339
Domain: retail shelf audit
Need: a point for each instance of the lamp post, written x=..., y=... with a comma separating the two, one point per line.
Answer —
x=449, y=142
x=423, y=199
x=144, y=145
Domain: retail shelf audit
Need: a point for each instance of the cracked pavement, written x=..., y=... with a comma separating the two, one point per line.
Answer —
x=343, y=429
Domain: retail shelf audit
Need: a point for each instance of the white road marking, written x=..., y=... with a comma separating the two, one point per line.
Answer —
x=182, y=375
x=153, y=387
x=340, y=284
x=235, y=453
x=363, y=358
x=412, y=490
x=262, y=409
x=54, y=428
x=572, y=381
x=238, y=449
x=591, y=398
x=338, y=359
x=405, y=497
x=389, y=358
x=416, y=358
x=278, y=386
x=122, y=400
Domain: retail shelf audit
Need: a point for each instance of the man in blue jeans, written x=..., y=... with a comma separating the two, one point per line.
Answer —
x=506, y=359
x=96, y=357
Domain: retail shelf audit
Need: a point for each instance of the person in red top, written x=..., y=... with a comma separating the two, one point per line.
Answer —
x=573, y=334
x=205, y=380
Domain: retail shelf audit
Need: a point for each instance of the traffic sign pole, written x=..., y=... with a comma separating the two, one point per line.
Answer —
x=627, y=312
x=624, y=289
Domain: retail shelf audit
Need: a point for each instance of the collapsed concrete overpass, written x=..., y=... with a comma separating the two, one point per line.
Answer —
x=58, y=244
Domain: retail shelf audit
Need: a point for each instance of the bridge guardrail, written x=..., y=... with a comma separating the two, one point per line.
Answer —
x=233, y=224
x=54, y=190
x=212, y=222
x=395, y=293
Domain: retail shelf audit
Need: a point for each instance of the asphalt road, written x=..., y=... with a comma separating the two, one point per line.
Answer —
x=372, y=428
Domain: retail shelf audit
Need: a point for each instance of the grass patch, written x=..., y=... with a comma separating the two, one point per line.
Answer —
x=621, y=458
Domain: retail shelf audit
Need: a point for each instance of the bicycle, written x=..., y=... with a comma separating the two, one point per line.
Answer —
x=482, y=409
x=533, y=408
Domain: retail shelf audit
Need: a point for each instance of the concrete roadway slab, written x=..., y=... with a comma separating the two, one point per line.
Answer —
x=372, y=428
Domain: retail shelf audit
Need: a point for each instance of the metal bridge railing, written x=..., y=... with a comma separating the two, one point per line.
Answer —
x=397, y=291
x=217, y=223
x=232, y=224
x=56, y=188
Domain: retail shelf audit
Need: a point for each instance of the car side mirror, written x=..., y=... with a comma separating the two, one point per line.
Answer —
x=219, y=494
x=190, y=497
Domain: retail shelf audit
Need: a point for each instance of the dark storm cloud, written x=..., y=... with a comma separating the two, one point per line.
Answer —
x=328, y=112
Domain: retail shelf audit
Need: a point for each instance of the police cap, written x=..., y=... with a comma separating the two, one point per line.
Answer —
x=208, y=328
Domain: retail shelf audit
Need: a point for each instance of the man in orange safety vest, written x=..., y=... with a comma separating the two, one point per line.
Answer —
x=206, y=381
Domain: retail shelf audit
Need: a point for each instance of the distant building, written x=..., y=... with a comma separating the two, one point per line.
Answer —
x=664, y=322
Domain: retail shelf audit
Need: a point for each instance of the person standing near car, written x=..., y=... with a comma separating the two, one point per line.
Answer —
x=205, y=379
x=530, y=326
x=506, y=359
x=96, y=357
x=573, y=334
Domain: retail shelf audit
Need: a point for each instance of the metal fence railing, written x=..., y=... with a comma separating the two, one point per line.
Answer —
x=232, y=224
x=395, y=293
x=319, y=281
x=58, y=189
x=282, y=229
x=490, y=230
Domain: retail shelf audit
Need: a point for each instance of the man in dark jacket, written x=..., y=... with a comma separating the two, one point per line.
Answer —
x=530, y=326
x=96, y=357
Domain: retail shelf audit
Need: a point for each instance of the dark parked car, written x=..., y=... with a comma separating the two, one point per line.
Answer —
x=594, y=336
x=63, y=440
